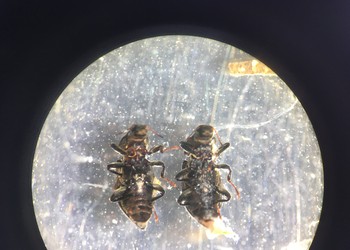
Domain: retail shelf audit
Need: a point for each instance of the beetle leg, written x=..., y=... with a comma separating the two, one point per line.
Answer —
x=160, y=191
x=156, y=149
x=162, y=149
x=118, y=149
x=223, y=192
x=115, y=167
x=222, y=148
x=187, y=147
x=160, y=163
x=185, y=165
x=183, y=174
x=118, y=194
x=227, y=167
x=185, y=197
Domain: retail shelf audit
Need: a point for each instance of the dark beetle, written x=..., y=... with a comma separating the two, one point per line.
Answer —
x=136, y=188
x=202, y=190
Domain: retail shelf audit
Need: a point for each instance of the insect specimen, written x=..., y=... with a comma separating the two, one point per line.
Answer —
x=136, y=186
x=202, y=189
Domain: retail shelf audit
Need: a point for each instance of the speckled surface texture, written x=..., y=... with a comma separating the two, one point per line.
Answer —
x=174, y=84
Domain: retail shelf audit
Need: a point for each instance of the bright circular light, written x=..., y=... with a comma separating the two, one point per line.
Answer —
x=174, y=84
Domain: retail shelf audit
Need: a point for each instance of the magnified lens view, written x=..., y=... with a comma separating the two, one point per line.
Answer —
x=177, y=142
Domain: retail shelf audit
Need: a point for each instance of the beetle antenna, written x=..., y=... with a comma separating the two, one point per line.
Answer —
x=236, y=189
x=217, y=135
x=154, y=132
x=156, y=218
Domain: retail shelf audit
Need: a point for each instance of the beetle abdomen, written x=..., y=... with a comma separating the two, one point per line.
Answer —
x=202, y=205
x=203, y=213
x=138, y=205
x=138, y=208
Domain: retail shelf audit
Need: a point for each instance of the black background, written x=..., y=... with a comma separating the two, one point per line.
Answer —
x=45, y=44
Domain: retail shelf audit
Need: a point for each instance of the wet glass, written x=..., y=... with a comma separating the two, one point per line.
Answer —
x=173, y=84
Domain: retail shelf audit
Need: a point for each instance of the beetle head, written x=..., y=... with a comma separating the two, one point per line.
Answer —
x=203, y=134
x=138, y=131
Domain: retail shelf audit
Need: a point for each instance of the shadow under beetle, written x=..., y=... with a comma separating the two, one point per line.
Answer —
x=136, y=187
x=202, y=189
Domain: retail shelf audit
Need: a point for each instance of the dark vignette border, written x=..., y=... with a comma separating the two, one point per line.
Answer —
x=44, y=45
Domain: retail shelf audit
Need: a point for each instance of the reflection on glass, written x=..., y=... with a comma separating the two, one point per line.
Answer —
x=174, y=84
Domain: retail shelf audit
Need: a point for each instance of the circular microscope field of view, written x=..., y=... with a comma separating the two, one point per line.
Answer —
x=177, y=142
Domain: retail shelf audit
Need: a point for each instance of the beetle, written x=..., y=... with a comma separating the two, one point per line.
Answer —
x=202, y=190
x=136, y=188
